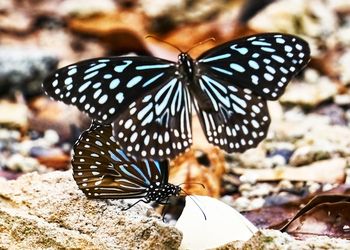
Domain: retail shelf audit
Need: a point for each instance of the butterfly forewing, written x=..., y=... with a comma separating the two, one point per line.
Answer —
x=264, y=63
x=238, y=119
x=157, y=125
x=104, y=87
x=102, y=170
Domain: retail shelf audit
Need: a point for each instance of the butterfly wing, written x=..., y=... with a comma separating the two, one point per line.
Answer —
x=239, y=119
x=102, y=170
x=143, y=96
x=104, y=87
x=158, y=126
x=236, y=78
x=264, y=63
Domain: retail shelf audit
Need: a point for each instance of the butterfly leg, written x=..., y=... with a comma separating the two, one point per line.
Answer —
x=124, y=209
x=165, y=208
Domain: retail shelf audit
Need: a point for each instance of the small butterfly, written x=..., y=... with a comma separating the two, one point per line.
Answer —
x=103, y=171
x=149, y=100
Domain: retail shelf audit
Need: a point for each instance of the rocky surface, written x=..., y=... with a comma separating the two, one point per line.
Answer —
x=273, y=239
x=50, y=212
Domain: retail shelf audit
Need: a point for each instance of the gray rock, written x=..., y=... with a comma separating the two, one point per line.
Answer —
x=50, y=212
x=274, y=239
x=24, y=68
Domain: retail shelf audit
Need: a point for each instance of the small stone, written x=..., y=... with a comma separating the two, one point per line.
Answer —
x=335, y=113
x=313, y=186
x=326, y=187
x=51, y=137
x=257, y=203
x=241, y=203
x=308, y=94
x=89, y=8
x=24, y=68
x=278, y=160
x=261, y=190
x=13, y=114
x=18, y=162
x=285, y=185
x=248, y=178
x=9, y=135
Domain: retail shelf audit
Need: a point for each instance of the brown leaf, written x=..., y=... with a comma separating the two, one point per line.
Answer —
x=196, y=166
x=324, y=215
x=278, y=216
x=115, y=31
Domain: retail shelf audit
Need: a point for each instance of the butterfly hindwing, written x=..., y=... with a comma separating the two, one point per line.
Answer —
x=102, y=170
x=264, y=63
x=104, y=87
x=238, y=119
x=158, y=126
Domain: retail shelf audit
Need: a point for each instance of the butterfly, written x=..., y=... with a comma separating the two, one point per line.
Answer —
x=103, y=171
x=149, y=100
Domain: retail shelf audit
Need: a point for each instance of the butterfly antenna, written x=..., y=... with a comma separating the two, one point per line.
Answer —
x=200, y=43
x=205, y=217
x=160, y=40
x=192, y=183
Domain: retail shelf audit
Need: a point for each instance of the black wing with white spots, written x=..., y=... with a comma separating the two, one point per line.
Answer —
x=101, y=170
x=264, y=63
x=104, y=87
x=238, y=120
x=148, y=103
x=159, y=125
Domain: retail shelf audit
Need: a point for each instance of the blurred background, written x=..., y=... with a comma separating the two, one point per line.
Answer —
x=306, y=151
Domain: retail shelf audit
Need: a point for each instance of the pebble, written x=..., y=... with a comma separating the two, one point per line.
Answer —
x=51, y=136
x=24, y=68
x=257, y=190
x=313, y=186
x=18, y=162
x=241, y=203
x=9, y=135
x=285, y=184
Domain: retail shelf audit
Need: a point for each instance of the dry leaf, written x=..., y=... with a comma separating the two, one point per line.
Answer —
x=196, y=166
x=324, y=215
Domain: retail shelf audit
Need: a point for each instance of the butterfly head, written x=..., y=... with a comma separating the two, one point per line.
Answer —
x=186, y=65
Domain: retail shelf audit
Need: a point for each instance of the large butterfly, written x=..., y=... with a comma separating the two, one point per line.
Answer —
x=149, y=100
x=101, y=170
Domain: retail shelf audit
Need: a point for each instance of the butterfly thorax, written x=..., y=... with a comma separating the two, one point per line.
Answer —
x=161, y=193
x=186, y=68
x=189, y=73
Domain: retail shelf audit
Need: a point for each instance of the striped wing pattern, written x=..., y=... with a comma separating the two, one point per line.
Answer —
x=158, y=125
x=239, y=119
x=102, y=170
x=264, y=63
x=104, y=87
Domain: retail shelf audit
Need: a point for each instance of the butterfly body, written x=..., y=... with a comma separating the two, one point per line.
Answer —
x=149, y=100
x=161, y=193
